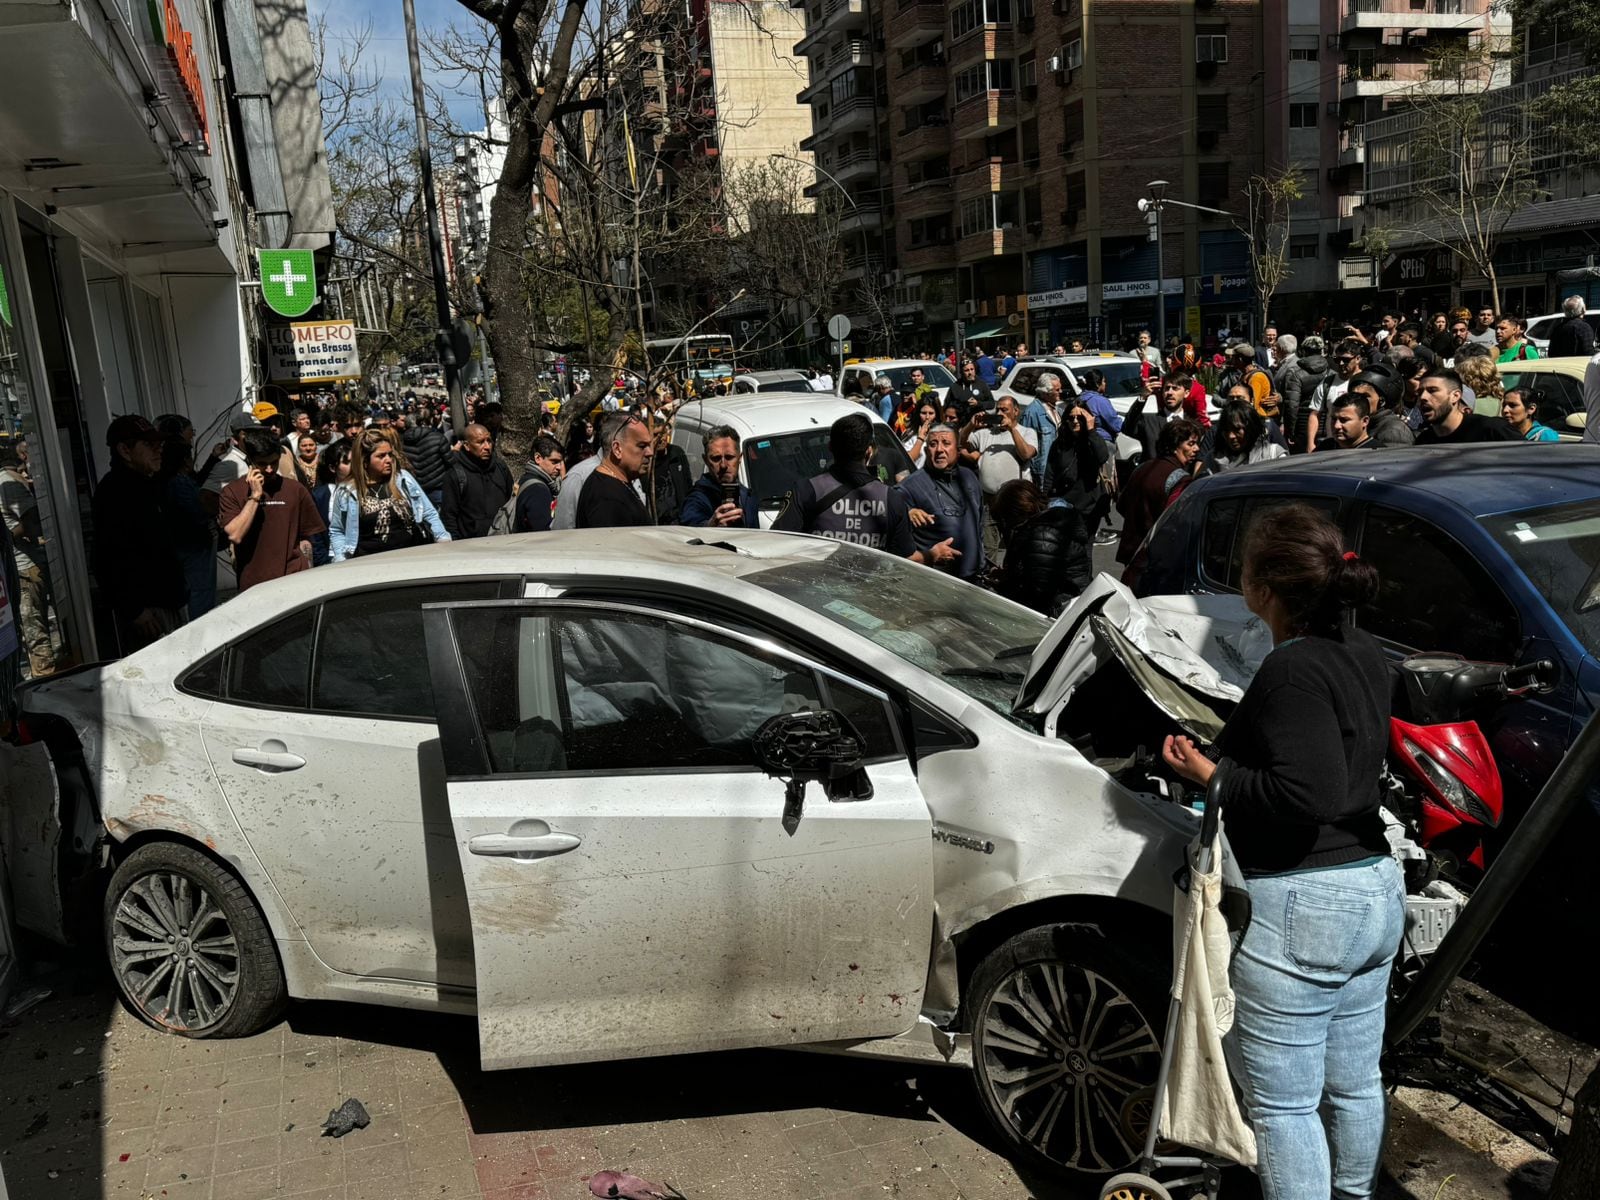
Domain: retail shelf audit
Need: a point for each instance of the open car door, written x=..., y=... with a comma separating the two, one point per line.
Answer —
x=631, y=885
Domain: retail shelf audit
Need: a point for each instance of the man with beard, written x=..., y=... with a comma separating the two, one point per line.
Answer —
x=1449, y=423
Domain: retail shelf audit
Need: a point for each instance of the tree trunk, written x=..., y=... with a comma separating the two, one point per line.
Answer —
x=1494, y=285
x=1578, y=1175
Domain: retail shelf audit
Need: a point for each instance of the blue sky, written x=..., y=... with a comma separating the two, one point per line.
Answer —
x=386, y=48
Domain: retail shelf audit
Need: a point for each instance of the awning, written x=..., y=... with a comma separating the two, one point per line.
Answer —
x=985, y=329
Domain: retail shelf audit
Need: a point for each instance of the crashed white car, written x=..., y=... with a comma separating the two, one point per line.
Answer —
x=638, y=792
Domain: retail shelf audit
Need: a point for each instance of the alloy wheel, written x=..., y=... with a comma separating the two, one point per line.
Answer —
x=174, y=951
x=1071, y=1062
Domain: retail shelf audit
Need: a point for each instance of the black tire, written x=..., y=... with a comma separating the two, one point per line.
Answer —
x=1058, y=1103
x=227, y=982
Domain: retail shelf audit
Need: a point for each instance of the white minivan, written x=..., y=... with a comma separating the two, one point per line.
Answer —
x=783, y=439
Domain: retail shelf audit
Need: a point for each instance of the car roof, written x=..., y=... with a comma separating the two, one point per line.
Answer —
x=773, y=412
x=878, y=364
x=1479, y=479
x=1081, y=360
x=1574, y=365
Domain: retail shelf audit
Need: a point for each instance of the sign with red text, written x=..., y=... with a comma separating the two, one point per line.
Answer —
x=312, y=352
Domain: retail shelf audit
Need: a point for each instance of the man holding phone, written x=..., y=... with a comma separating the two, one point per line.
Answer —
x=270, y=520
x=718, y=499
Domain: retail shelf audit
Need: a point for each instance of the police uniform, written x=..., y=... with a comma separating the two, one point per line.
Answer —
x=850, y=505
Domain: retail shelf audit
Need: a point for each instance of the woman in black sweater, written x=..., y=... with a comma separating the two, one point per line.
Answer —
x=1302, y=755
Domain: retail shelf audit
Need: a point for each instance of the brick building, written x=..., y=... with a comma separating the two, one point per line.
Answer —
x=995, y=151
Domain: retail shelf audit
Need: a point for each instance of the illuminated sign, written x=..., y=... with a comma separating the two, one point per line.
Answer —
x=178, y=69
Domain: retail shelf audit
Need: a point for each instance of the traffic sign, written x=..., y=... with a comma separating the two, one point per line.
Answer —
x=838, y=327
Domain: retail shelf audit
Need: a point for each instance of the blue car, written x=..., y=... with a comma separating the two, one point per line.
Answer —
x=1491, y=552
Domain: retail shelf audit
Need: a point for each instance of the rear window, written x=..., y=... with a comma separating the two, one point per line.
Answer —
x=932, y=373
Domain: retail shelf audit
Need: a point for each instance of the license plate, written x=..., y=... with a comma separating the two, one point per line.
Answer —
x=1428, y=919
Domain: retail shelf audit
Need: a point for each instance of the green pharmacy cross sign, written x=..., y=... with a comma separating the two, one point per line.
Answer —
x=288, y=281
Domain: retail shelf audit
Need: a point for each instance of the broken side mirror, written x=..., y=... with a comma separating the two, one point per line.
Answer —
x=802, y=747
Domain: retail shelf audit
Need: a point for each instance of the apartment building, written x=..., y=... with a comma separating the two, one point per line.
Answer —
x=995, y=152
x=1332, y=67
x=1547, y=250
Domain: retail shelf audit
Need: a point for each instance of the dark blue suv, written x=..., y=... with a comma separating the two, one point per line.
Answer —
x=1491, y=552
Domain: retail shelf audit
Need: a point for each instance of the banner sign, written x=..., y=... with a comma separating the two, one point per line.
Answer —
x=1129, y=289
x=1058, y=297
x=312, y=352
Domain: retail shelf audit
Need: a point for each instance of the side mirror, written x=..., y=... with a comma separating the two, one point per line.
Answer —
x=802, y=747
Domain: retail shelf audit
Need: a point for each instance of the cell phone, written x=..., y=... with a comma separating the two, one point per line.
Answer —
x=730, y=493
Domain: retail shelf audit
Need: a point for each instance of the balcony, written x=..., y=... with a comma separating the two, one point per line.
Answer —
x=985, y=114
x=983, y=180
x=988, y=243
x=925, y=141
x=930, y=256
x=861, y=266
x=921, y=83
x=1359, y=83
x=855, y=165
x=861, y=218
x=987, y=41
x=1352, y=149
x=847, y=116
x=915, y=23
x=1454, y=16
x=926, y=198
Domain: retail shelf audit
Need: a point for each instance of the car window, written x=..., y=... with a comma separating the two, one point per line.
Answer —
x=1123, y=379
x=272, y=666
x=599, y=692
x=1543, y=329
x=775, y=465
x=1227, y=523
x=932, y=373
x=370, y=657
x=1432, y=594
x=1024, y=379
x=1556, y=394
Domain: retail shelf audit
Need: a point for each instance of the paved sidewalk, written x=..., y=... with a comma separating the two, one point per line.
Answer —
x=93, y=1104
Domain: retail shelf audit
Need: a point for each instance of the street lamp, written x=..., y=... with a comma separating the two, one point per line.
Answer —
x=820, y=171
x=1155, y=203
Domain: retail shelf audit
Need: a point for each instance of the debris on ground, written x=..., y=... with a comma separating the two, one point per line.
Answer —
x=619, y=1185
x=25, y=999
x=348, y=1117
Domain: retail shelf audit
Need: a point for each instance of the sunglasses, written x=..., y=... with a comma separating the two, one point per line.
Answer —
x=1345, y=358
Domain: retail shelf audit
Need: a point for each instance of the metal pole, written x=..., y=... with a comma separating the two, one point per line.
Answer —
x=1566, y=788
x=1161, y=286
x=430, y=203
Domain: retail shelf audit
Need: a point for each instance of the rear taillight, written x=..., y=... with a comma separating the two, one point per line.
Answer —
x=26, y=732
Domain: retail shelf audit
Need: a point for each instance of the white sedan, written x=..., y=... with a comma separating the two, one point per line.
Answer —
x=640, y=792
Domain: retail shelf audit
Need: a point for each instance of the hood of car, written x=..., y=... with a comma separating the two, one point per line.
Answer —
x=1187, y=653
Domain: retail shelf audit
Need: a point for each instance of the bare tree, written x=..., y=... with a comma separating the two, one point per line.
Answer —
x=1268, y=222
x=1456, y=165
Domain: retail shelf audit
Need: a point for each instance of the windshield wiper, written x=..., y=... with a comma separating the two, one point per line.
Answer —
x=980, y=673
x=1016, y=651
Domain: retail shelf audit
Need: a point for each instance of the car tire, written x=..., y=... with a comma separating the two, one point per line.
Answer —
x=225, y=982
x=1067, y=1103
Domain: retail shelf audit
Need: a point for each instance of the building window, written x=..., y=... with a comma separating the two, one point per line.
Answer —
x=1211, y=48
x=1077, y=193
x=1303, y=245
x=1072, y=55
x=976, y=216
x=1214, y=184
x=1302, y=116
x=1303, y=54
x=1211, y=113
x=995, y=76
x=1072, y=127
x=973, y=14
x=1027, y=71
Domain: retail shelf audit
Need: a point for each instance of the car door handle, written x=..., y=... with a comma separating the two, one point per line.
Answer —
x=268, y=760
x=506, y=845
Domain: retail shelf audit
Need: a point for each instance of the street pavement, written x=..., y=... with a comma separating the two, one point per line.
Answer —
x=95, y=1105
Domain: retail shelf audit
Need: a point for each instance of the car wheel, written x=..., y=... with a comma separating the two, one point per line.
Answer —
x=190, y=950
x=1066, y=1044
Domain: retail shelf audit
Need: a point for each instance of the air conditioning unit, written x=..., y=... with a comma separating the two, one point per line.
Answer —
x=968, y=308
x=1057, y=63
x=891, y=277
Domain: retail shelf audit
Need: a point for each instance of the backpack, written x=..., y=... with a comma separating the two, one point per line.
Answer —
x=505, y=520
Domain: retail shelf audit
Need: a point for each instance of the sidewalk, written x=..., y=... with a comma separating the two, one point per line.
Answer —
x=93, y=1104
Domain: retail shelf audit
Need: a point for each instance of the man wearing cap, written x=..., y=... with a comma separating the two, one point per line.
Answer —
x=135, y=562
x=231, y=465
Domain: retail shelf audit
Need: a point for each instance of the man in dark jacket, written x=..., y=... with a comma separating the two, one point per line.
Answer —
x=1574, y=336
x=1312, y=365
x=946, y=506
x=708, y=503
x=539, y=486
x=475, y=487
x=135, y=563
x=427, y=454
x=670, y=477
x=1145, y=427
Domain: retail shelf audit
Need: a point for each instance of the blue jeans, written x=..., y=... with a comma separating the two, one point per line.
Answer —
x=1311, y=977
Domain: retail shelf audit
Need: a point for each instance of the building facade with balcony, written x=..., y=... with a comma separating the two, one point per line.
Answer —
x=1332, y=67
x=1017, y=138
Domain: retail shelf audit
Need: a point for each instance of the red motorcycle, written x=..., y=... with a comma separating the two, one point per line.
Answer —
x=1442, y=777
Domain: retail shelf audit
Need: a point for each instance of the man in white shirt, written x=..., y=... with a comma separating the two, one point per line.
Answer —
x=231, y=465
x=999, y=449
x=823, y=382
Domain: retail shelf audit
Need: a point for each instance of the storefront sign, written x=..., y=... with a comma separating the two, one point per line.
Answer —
x=1131, y=289
x=288, y=281
x=1191, y=321
x=1417, y=268
x=1224, y=287
x=1058, y=298
x=179, y=69
x=312, y=352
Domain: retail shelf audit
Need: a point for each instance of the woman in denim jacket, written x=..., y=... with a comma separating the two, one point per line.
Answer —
x=381, y=506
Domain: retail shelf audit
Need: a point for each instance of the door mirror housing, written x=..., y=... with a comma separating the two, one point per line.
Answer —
x=813, y=745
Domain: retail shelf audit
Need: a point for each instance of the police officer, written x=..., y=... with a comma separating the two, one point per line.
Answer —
x=848, y=502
